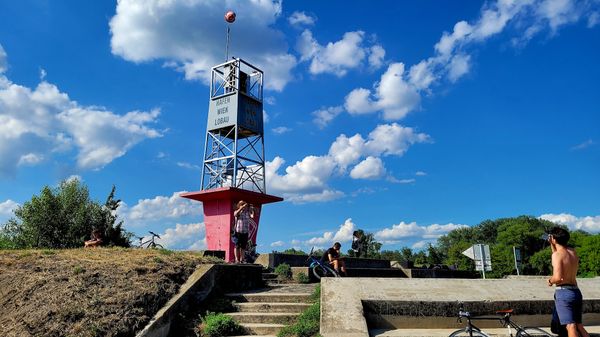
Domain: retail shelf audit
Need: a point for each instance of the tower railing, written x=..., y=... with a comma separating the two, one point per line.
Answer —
x=236, y=75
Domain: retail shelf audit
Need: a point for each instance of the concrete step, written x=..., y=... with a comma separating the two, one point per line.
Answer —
x=271, y=307
x=286, y=318
x=256, y=336
x=269, y=276
x=262, y=328
x=273, y=283
x=270, y=297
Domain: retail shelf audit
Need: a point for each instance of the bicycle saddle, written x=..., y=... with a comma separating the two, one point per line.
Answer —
x=505, y=311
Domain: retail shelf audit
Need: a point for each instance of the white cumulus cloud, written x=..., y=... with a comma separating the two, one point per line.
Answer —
x=277, y=244
x=281, y=130
x=7, y=207
x=184, y=237
x=399, y=91
x=393, y=95
x=190, y=36
x=587, y=223
x=342, y=235
x=3, y=62
x=369, y=168
x=307, y=180
x=325, y=115
x=405, y=230
x=299, y=19
x=160, y=208
x=338, y=57
x=36, y=124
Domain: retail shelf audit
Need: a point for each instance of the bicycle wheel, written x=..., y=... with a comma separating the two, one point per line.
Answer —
x=319, y=272
x=464, y=333
x=533, y=332
x=331, y=272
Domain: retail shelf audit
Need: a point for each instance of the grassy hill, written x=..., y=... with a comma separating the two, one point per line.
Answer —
x=87, y=292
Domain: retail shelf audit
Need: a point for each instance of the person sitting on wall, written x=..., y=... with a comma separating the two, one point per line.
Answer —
x=332, y=257
x=95, y=240
x=244, y=213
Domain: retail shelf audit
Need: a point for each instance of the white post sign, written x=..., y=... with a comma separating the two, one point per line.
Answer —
x=481, y=254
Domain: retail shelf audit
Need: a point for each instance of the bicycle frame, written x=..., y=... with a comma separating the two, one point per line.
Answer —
x=149, y=241
x=505, y=321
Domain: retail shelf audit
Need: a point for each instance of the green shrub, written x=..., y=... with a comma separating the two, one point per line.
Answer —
x=78, y=270
x=217, y=325
x=316, y=295
x=307, y=324
x=302, y=278
x=284, y=271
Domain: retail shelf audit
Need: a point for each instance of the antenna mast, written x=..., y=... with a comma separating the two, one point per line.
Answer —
x=229, y=18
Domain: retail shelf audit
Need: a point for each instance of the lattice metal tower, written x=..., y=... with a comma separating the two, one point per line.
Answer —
x=234, y=153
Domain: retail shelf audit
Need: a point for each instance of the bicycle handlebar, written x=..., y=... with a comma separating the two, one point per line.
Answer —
x=154, y=234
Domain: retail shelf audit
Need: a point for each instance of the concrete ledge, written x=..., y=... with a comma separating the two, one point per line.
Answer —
x=434, y=273
x=272, y=260
x=204, y=281
x=408, y=300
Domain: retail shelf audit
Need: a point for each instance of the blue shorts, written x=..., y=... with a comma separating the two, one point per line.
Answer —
x=569, y=305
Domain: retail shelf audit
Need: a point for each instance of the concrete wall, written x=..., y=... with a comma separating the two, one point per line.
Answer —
x=272, y=260
x=434, y=273
x=207, y=279
x=346, y=303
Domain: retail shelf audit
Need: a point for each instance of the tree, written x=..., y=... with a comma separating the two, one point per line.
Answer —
x=63, y=217
x=372, y=246
x=293, y=251
x=589, y=256
x=405, y=254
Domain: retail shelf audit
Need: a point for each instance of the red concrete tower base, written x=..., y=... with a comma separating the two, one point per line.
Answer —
x=219, y=204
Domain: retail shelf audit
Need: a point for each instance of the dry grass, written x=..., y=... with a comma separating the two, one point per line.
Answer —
x=87, y=292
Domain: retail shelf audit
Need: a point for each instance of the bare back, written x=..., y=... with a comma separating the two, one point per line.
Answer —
x=564, y=265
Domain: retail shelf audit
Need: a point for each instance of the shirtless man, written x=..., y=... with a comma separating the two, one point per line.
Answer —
x=567, y=297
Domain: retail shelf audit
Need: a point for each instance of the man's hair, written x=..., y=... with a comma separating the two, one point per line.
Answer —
x=561, y=235
x=337, y=244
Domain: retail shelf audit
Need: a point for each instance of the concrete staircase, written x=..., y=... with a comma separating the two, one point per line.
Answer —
x=265, y=311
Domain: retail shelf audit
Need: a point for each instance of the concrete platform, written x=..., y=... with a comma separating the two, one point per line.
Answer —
x=347, y=303
x=594, y=331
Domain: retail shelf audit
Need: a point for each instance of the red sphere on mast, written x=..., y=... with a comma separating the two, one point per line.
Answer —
x=230, y=16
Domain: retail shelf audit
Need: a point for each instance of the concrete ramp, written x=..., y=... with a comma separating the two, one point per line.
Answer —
x=352, y=306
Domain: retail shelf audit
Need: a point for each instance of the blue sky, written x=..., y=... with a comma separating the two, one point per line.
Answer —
x=406, y=119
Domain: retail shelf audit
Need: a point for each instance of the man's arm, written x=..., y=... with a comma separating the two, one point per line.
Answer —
x=557, y=271
x=238, y=211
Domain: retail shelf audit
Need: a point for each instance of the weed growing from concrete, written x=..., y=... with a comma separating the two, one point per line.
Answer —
x=218, y=324
x=308, y=323
x=302, y=278
x=284, y=271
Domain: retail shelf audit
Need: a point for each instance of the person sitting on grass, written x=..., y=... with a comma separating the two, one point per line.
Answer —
x=95, y=241
x=332, y=257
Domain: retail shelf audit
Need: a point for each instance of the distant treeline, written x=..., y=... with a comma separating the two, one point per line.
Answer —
x=523, y=232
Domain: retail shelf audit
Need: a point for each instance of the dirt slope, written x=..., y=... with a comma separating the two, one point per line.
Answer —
x=91, y=292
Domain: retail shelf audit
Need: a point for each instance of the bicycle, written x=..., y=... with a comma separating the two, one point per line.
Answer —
x=150, y=242
x=472, y=331
x=319, y=269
